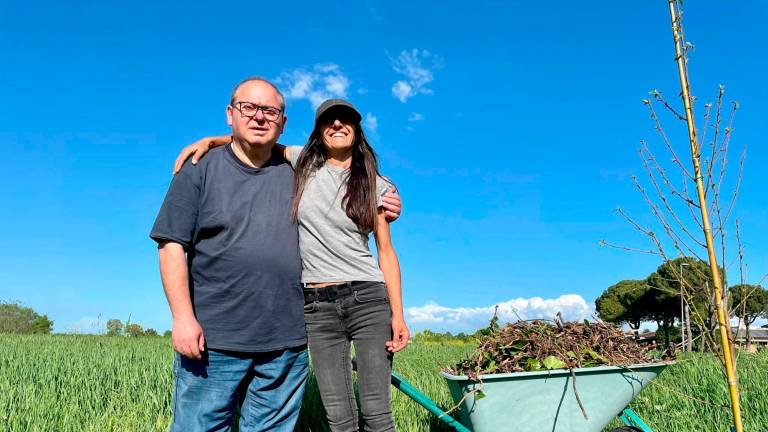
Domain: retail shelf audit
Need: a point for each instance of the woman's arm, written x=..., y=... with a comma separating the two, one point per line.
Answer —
x=390, y=267
x=198, y=149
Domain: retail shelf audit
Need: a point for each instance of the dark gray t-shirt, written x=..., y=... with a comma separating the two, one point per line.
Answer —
x=242, y=249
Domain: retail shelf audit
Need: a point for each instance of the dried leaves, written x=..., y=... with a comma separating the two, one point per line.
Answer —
x=541, y=345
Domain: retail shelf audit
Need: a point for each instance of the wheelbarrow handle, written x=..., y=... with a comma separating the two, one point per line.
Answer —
x=420, y=398
x=630, y=418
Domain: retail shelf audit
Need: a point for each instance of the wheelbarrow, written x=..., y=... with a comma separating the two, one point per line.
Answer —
x=542, y=401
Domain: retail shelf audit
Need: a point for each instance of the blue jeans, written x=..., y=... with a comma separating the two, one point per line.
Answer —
x=270, y=386
x=363, y=318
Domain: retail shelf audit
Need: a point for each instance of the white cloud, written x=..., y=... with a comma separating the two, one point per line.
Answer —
x=336, y=84
x=87, y=324
x=323, y=81
x=433, y=316
x=402, y=91
x=416, y=66
x=415, y=117
x=326, y=67
x=371, y=122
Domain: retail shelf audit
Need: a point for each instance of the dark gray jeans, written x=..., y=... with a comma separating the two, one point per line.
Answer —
x=363, y=318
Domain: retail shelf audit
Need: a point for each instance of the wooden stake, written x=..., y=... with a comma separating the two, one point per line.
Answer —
x=682, y=70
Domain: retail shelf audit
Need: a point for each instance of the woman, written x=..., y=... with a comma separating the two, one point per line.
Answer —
x=348, y=298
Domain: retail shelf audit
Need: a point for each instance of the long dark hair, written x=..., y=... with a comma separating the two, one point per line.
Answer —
x=359, y=201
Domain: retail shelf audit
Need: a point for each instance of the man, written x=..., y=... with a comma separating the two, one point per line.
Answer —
x=230, y=267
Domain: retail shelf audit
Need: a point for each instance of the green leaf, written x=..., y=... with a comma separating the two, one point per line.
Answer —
x=552, y=362
x=655, y=354
x=595, y=356
x=479, y=395
x=532, y=364
x=515, y=347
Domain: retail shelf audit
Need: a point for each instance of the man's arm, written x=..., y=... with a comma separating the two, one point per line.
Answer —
x=186, y=334
x=388, y=198
x=392, y=205
x=174, y=232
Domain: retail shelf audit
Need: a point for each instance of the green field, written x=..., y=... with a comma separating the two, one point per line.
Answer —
x=97, y=383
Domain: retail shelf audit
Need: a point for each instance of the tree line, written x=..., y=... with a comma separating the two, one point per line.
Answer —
x=115, y=327
x=19, y=319
x=680, y=291
x=15, y=318
x=656, y=298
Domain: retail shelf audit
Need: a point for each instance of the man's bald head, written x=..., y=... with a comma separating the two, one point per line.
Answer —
x=233, y=97
x=253, y=113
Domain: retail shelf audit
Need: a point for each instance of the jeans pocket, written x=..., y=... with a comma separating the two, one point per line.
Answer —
x=376, y=293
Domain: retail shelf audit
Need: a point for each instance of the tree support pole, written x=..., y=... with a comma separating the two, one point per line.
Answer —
x=682, y=70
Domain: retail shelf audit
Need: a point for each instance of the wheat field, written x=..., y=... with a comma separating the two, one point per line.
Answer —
x=98, y=383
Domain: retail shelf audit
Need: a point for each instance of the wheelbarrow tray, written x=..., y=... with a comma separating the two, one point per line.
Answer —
x=544, y=401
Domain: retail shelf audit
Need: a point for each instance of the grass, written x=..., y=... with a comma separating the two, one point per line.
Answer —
x=692, y=395
x=96, y=383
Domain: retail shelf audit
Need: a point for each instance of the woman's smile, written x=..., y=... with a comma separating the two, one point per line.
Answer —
x=339, y=135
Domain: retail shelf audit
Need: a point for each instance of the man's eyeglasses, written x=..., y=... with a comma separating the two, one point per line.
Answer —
x=250, y=109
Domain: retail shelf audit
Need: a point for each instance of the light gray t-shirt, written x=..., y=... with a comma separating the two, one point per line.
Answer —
x=332, y=247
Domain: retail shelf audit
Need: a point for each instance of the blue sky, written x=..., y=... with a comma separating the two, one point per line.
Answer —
x=511, y=129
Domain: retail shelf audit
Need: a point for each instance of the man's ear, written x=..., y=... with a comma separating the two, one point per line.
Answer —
x=282, y=124
x=229, y=116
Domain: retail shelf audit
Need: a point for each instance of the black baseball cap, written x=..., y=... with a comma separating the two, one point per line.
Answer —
x=341, y=104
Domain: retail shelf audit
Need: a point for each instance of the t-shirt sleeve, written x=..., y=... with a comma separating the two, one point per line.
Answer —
x=293, y=154
x=177, y=219
x=383, y=185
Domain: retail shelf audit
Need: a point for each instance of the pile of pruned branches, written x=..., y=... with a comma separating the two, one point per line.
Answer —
x=542, y=345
